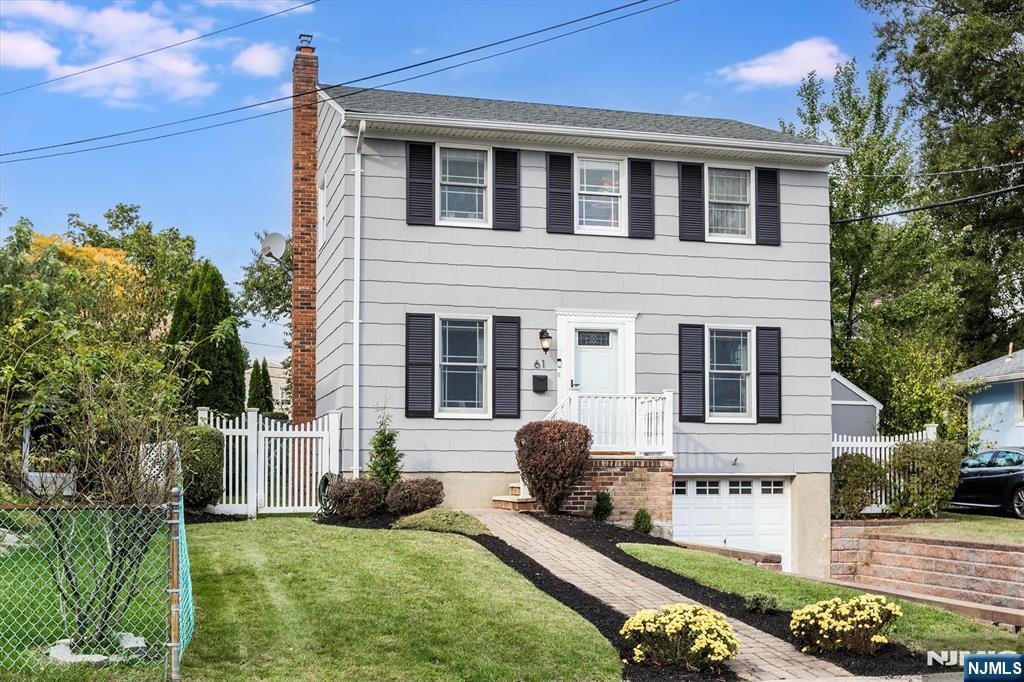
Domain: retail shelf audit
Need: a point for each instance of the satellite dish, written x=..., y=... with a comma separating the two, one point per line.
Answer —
x=273, y=245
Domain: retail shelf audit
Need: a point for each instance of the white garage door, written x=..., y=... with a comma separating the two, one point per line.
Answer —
x=743, y=513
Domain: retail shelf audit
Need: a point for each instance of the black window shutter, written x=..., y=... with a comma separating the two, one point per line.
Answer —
x=691, y=372
x=560, y=208
x=506, y=189
x=419, y=183
x=691, y=202
x=641, y=199
x=506, y=366
x=419, y=365
x=766, y=189
x=769, y=375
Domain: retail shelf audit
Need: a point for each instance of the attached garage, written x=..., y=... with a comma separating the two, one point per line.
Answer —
x=743, y=513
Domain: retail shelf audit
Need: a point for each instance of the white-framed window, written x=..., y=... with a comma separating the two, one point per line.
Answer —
x=774, y=487
x=321, y=211
x=1019, y=388
x=463, y=349
x=706, y=487
x=730, y=214
x=730, y=373
x=679, y=486
x=600, y=195
x=463, y=192
x=741, y=487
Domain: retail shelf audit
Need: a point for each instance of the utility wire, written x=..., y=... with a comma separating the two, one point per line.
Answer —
x=936, y=173
x=350, y=82
x=340, y=95
x=959, y=200
x=159, y=49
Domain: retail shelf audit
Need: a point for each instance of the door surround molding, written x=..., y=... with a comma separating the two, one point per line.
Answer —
x=567, y=321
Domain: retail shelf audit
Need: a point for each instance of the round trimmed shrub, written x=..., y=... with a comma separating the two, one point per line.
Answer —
x=689, y=635
x=642, y=522
x=354, y=499
x=857, y=625
x=413, y=495
x=552, y=456
x=855, y=477
x=603, y=505
x=202, y=465
x=761, y=602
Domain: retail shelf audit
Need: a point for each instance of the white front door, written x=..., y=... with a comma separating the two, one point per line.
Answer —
x=596, y=366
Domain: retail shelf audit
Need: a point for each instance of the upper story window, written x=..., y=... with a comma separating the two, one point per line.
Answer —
x=729, y=204
x=730, y=387
x=462, y=367
x=462, y=190
x=599, y=195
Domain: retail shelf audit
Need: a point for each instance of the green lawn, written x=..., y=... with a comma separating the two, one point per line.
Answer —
x=967, y=527
x=922, y=627
x=284, y=598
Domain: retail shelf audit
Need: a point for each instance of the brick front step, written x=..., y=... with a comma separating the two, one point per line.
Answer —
x=515, y=503
x=1002, y=602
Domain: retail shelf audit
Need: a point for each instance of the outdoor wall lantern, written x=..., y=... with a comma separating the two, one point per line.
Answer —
x=545, y=341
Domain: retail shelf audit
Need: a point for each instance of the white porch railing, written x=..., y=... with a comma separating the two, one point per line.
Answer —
x=640, y=422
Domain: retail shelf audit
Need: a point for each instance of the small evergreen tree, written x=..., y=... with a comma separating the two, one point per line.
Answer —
x=268, y=390
x=255, y=386
x=385, y=459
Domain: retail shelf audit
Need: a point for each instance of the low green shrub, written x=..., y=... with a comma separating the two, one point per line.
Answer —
x=353, y=499
x=413, y=495
x=442, y=521
x=603, y=505
x=690, y=635
x=857, y=625
x=761, y=602
x=642, y=522
x=925, y=475
x=552, y=456
x=202, y=465
x=855, y=477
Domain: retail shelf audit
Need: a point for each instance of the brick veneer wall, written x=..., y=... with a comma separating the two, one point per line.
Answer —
x=304, y=220
x=633, y=482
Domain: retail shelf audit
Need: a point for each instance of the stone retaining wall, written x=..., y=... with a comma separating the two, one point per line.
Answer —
x=633, y=482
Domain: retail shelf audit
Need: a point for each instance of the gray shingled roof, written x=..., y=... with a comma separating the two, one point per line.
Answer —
x=1002, y=368
x=474, y=108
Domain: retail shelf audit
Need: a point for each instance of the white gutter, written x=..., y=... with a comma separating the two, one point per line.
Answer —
x=357, y=302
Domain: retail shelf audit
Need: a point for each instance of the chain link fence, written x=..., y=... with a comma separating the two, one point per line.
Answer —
x=86, y=587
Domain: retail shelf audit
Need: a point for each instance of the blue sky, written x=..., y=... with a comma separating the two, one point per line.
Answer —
x=738, y=59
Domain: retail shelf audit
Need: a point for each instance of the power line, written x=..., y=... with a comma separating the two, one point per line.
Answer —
x=159, y=49
x=959, y=200
x=337, y=96
x=267, y=345
x=350, y=82
x=937, y=173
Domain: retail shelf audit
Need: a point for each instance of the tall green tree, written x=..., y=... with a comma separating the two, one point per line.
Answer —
x=961, y=63
x=268, y=388
x=203, y=314
x=255, y=398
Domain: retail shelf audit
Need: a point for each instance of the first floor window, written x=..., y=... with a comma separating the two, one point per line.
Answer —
x=463, y=178
x=729, y=202
x=463, y=365
x=599, y=190
x=729, y=388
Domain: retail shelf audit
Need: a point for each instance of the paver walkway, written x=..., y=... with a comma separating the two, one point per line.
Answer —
x=761, y=656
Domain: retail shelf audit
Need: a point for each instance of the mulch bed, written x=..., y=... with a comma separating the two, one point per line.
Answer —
x=889, y=659
x=607, y=620
x=375, y=522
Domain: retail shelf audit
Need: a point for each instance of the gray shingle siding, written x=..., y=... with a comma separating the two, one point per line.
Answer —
x=530, y=273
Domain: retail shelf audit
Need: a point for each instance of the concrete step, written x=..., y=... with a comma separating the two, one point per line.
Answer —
x=515, y=503
x=978, y=598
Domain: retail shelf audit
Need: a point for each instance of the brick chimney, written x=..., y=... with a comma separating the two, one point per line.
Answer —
x=305, y=72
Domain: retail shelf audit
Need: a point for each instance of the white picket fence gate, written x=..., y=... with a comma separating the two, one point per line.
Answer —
x=272, y=466
x=879, y=449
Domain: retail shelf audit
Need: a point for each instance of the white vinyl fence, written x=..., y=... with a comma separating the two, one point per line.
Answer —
x=272, y=466
x=879, y=448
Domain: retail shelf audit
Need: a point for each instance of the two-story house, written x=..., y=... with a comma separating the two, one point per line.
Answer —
x=471, y=265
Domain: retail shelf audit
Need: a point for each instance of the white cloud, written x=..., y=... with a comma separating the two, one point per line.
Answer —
x=261, y=6
x=262, y=59
x=282, y=90
x=98, y=36
x=786, y=66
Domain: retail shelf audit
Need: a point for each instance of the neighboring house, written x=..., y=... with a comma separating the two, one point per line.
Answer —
x=997, y=410
x=472, y=265
x=278, y=383
x=854, y=411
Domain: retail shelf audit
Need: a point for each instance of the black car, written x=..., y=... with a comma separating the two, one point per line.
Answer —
x=993, y=479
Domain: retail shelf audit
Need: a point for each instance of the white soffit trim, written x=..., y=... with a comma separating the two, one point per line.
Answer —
x=856, y=389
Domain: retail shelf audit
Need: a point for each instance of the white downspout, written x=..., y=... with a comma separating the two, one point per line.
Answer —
x=357, y=301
